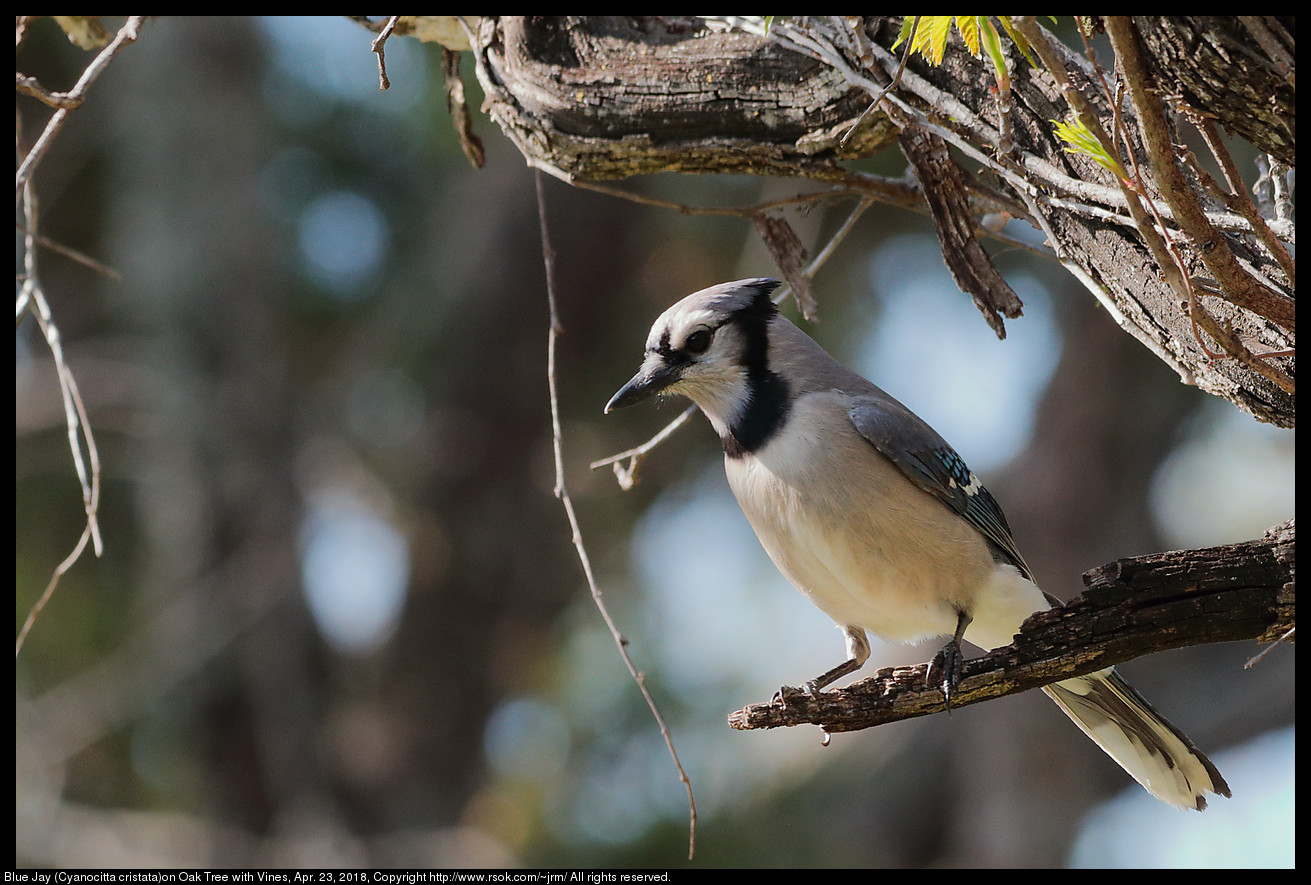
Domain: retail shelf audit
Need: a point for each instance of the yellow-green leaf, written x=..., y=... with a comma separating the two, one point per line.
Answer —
x=968, y=25
x=907, y=25
x=992, y=42
x=1081, y=141
x=1020, y=42
x=931, y=37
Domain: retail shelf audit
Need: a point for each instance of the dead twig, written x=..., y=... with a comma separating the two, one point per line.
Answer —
x=562, y=492
x=31, y=300
x=896, y=78
x=73, y=98
x=379, y=46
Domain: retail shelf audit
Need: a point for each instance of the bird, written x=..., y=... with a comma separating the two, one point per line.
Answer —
x=870, y=513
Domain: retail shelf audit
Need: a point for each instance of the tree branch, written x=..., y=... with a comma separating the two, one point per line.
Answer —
x=1132, y=607
x=73, y=99
x=602, y=97
x=1238, y=70
x=1239, y=286
x=588, y=98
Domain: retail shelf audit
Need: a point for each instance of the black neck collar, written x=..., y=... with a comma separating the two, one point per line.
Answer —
x=766, y=407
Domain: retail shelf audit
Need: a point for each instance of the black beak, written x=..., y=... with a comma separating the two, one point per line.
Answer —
x=644, y=385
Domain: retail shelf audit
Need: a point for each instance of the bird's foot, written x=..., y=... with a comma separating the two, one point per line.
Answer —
x=945, y=669
x=791, y=693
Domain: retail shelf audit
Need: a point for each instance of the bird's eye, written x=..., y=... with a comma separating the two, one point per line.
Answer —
x=698, y=341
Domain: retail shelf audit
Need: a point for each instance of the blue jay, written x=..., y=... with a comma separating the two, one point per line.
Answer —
x=875, y=518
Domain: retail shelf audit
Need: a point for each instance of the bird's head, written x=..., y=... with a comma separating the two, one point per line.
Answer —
x=711, y=347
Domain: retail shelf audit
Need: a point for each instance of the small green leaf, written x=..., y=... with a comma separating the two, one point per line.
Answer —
x=992, y=42
x=1081, y=141
x=977, y=31
x=907, y=24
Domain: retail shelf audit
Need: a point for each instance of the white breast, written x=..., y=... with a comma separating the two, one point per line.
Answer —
x=850, y=531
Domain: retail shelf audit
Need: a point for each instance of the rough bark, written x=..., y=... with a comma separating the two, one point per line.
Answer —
x=1237, y=69
x=604, y=97
x=1132, y=607
x=610, y=97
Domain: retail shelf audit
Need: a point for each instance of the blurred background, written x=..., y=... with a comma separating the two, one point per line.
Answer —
x=338, y=620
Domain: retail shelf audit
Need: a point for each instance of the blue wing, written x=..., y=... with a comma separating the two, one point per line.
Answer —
x=927, y=460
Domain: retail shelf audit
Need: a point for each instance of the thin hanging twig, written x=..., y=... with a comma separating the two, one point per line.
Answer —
x=31, y=299
x=896, y=78
x=561, y=492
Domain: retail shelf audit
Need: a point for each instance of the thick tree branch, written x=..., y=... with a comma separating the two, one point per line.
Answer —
x=596, y=97
x=1239, y=70
x=1132, y=607
x=600, y=97
x=1239, y=286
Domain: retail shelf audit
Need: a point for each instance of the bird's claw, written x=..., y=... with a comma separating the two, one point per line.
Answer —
x=790, y=693
x=945, y=670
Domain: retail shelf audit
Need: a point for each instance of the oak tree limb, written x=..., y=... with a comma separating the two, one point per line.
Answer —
x=1132, y=607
